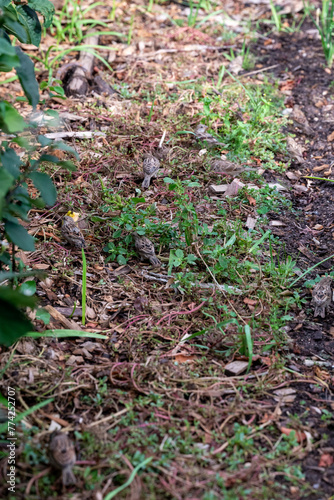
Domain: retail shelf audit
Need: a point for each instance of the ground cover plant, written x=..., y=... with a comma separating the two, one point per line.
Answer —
x=206, y=377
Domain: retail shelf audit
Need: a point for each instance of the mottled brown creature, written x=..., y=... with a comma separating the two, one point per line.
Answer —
x=71, y=233
x=145, y=249
x=295, y=150
x=204, y=136
x=62, y=456
x=322, y=296
x=228, y=167
x=300, y=121
x=151, y=166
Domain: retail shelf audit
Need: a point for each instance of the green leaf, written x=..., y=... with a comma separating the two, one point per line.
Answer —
x=6, y=181
x=19, y=236
x=68, y=164
x=28, y=288
x=191, y=259
x=11, y=162
x=13, y=26
x=13, y=323
x=53, y=113
x=117, y=233
x=4, y=3
x=45, y=8
x=23, y=142
x=8, y=57
x=121, y=260
x=45, y=185
x=16, y=298
x=49, y=158
x=26, y=75
x=29, y=19
x=10, y=120
x=168, y=180
x=38, y=202
x=65, y=147
x=179, y=253
x=43, y=315
x=44, y=141
x=8, y=275
x=67, y=333
x=230, y=241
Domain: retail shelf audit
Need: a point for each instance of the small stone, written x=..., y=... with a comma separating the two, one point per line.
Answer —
x=236, y=367
x=317, y=335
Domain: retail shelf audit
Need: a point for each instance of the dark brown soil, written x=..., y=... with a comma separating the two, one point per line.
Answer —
x=302, y=67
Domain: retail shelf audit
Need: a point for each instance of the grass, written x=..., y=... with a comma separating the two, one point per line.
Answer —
x=324, y=24
x=84, y=286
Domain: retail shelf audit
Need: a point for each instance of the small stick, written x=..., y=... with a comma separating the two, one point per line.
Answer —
x=162, y=139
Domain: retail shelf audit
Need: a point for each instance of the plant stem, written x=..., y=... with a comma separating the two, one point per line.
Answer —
x=84, y=286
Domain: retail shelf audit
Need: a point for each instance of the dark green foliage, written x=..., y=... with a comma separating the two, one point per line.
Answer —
x=21, y=20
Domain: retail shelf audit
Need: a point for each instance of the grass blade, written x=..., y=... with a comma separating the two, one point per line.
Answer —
x=84, y=286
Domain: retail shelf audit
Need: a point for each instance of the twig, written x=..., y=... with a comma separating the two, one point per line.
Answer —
x=259, y=70
x=109, y=417
x=163, y=278
x=162, y=139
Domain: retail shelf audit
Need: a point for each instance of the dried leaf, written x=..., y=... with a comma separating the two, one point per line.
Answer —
x=300, y=435
x=181, y=358
x=326, y=460
x=321, y=167
x=250, y=302
x=251, y=200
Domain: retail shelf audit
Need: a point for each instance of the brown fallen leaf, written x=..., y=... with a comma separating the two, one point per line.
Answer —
x=321, y=373
x=250, y=302
x=300, y=435
x=330, y=137
x=320, y=168
x=181, y=358
x=326, y=460
x=285, y=395
x=251, y=200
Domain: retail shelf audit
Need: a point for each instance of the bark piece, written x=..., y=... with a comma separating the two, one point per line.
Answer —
x=236, y=367
x=71, y=325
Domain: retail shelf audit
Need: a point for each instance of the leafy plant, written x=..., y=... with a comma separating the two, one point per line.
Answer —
x=277, y=18
x=18, y=173
x=70, y=22
x=325, y=25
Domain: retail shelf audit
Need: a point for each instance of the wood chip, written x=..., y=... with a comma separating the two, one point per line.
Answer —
x=218, y=189
x=71, y=325
x=276, y=223
x=277, y=186
x=250, y=222
x=320, y=168
x=234, y=187
x=292, y=176
x=330, y=138
x=236, y=367
x=286, y=395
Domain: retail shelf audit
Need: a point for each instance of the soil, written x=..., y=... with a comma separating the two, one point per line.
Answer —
x=301, y=63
